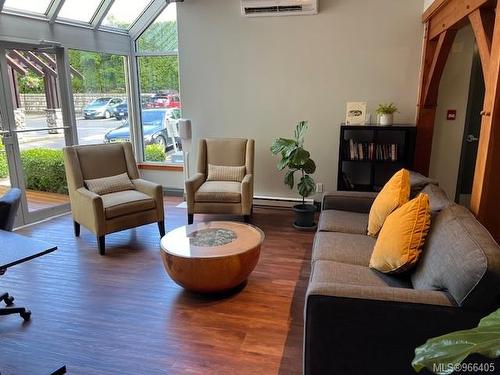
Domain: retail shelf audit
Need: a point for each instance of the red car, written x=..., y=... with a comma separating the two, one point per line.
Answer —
x=163, y=101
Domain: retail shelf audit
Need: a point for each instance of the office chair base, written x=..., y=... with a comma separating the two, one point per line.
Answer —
x=7, y=298
x=25, y=314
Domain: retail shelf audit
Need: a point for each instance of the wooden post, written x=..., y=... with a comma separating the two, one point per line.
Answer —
x=486, y=187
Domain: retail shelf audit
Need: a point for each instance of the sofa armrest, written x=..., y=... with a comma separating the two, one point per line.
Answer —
x=88, y=209
x=357, y=334
x=247, y=194
x=154, y=190
x=192, y=185
x=353, y=201
x=370, y=293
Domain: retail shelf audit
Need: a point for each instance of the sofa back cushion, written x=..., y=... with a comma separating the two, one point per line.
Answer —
x=438, y=200
x=418, y=182
x=460, y=257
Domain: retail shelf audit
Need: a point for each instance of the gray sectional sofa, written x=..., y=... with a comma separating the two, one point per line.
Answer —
x=360, y=321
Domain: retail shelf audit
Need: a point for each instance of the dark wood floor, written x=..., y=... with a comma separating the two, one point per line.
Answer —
x=122, y=314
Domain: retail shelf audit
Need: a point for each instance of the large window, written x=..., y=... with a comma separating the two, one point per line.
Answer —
x=123, y=13
x=79, y=10
x=29, y=6
x=100, y=97
x=159, y=86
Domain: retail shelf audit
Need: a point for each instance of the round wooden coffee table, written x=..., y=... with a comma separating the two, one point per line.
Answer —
x=211, y=257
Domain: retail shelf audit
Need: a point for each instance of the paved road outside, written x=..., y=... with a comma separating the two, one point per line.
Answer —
x=89, y=131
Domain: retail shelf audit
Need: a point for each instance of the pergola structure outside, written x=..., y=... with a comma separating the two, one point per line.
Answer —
x=442, y=20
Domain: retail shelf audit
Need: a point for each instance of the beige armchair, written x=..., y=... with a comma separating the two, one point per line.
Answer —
x=111, y=212
x=222, y=197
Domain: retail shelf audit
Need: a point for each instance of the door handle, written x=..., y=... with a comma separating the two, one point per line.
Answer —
x=470, y=138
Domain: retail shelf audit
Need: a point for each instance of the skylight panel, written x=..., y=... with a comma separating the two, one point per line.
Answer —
x=123, y=13
x=28, y=6
x=79, y=10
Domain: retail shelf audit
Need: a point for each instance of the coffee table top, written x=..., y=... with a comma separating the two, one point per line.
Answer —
x=212, y=239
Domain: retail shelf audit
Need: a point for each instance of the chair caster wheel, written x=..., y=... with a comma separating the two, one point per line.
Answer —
x=26, y=315
x=9, y=300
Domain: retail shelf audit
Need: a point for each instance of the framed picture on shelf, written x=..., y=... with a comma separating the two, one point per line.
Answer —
x=355, y=113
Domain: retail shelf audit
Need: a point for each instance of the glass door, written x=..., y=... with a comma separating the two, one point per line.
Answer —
x=33, y=130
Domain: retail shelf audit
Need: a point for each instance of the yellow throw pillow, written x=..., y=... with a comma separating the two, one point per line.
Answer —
x=394, y=194
x=402, y=237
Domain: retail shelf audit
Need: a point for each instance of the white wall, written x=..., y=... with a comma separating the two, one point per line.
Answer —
x=453, y=94
x=257, y=77
x=427, y=3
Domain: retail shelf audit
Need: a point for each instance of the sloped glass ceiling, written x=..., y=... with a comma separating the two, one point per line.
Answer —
x=79, y=10
x=161, y=35
x=123, y=13
x=28, y=6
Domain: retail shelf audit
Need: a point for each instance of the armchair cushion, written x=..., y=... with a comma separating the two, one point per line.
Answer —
x=225, y=173
x=219, y=191
x=126, y=202
x=111, y=184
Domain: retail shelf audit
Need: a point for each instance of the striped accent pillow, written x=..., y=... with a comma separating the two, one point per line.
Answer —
x=225, y=173
x=111, y=184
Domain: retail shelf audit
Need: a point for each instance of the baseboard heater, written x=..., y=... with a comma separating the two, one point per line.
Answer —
x=260, y=200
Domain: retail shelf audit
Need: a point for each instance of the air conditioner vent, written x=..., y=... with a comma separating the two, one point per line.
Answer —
x=256, y=8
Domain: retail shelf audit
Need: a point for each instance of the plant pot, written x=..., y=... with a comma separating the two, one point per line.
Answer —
x=304, y=216
x=386, y=119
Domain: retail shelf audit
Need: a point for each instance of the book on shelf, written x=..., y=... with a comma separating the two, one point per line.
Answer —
x=371, y=151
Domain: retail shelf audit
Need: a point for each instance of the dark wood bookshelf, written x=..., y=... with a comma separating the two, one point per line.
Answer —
x=370, y=154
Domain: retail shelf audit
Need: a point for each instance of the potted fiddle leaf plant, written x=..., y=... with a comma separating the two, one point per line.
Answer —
x=295, y=158
x=444, y=354
x=385, y=113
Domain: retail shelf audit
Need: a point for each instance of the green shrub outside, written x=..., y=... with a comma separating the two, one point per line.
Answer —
x=4, y=168
x=154, y=153
x=44, y=170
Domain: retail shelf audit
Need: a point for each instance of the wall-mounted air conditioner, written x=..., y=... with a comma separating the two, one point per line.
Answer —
x=255, y=8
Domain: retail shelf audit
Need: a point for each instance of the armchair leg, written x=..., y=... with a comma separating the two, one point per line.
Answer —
x=161, y=227
x=246, y=218
x=76, y=227
x=101, y=244
x=190, y=218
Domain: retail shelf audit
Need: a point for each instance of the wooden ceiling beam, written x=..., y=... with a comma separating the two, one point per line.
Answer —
x=483, y=22
x=15, y=65
x=46, y=68
x=452, y=14
x=16, y=55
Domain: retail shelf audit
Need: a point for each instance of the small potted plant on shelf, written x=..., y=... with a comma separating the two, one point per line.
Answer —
x=385, y=113
x=295, y=158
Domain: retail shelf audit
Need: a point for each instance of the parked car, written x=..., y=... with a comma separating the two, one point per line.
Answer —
x=159, y=126
x=120, y=111
x=163, y=101
x=100, y=108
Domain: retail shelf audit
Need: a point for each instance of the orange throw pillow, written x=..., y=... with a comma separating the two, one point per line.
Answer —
x=394, y=194
x=402, y=237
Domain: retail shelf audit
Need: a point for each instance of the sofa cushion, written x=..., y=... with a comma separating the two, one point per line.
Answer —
x=438, y=199
x=225, y=173
x=418, y=182
x=219, y=191
x=394, y=194
x=111, y=184
x=460, y=257
x=343, y=247
x=343, y=221
x=329, y=272
x=126, y=202
x=402, y=237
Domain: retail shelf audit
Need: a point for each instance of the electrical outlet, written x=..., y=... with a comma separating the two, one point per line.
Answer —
x=319, y=187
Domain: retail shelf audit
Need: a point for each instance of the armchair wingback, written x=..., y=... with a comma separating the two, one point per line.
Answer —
x=222, y=197
x=112, y=212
